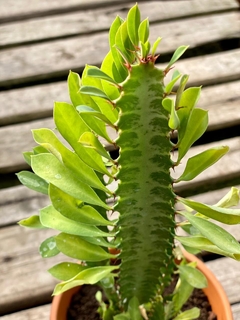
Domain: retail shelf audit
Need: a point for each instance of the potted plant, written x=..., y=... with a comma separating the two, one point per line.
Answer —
x=133, y=256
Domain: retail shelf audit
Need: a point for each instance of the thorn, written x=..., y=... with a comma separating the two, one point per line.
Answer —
x=167, y=70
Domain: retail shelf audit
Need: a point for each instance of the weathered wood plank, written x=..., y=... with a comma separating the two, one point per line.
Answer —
x=32, y=102
x=41, y=61
x=227, y=272
x=82, y=22
x=24, y=280
x=236, y=311
x=38, y=313
x=40, y=8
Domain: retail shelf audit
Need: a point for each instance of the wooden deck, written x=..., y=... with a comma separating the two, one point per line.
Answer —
x=40, y=41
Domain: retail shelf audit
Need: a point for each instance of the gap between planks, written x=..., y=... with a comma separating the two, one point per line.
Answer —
x=100, y=19
x=47, y=60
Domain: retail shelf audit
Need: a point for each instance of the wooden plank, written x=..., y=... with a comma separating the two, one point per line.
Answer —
x=82, y=22
x=24, y=280
x=42, y=61
x=38, y=313
x=236, y=311
x=227, y=272
x=39, y=8
x=19, y=202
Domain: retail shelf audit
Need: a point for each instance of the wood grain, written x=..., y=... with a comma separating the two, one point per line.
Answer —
x=88, y=21
x=38, y=313
x=41, y=61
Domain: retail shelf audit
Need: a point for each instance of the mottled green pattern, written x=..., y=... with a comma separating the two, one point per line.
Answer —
x=145, y=193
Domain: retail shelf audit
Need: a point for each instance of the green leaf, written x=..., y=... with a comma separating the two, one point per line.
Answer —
x=89, y=140
x=74, y=83
x=122, y=316
x=133, y=22
x=123, y=43
x=173, y=122
x=190, y=314
x=70, y=159
x=177, y=54
x=75, y=209
x=109, y=67
x=196, y=126
x=225, y=215
x=27, y=157
x=133, y=309
x=49, y=168
x=66, y=270
x=91, y=112
x=92, y=91
x=33, y=181
x=180, y=91
x=181, y=295
x=215, y=234
x=48, y=248
x=193, y=276
x=186, y=101
x=97, y=73
x=118, y=60
x=155, y=45
x=201, y=162
x=71, y=126
x=231, y=199
x=88, y=276
x=170, y=85
x=201, y=243
x=52, y=219
x=145, y=48
x=143, y=31
x=32, y=222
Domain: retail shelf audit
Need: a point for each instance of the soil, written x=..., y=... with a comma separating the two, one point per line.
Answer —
x=87, y=308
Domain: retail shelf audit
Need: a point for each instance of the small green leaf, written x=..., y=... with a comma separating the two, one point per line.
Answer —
x=133, y=22
x=200, y=243
x=97, y=73
x=215, y=234
x=201, y=162
x=74, y=83
x=75, y=209
x=33, y=181
x=70, y=159
x=48, y=248
x=225, y=215
x=27, y=157
x=155, y=45
x=93, y=91
x=231, y=199
x=89, y=140
x=122, y=316
x=186, y=101
x=66, y=270
x=180, y=90
x=170, y=85
x=88, y=276
x=52, y=219
x=91, y=112
x=49, y=168
x=193, y=276
x=177, y=54
x=190, y=314
x=173, y=121
x=143, y=31
x=133, y=309
x=145, y=48
x=196, y=126
x=32, y=222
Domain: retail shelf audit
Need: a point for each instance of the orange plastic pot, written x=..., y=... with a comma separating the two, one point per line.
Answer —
x=215, y=293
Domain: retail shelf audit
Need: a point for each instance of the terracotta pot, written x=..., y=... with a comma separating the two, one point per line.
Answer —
x=215, y=293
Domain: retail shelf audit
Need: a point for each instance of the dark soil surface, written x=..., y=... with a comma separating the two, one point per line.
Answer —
x=84, y=305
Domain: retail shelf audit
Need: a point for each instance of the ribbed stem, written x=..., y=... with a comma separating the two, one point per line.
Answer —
x=145, y=193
